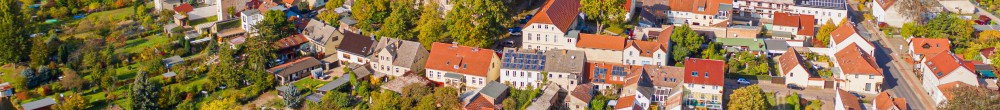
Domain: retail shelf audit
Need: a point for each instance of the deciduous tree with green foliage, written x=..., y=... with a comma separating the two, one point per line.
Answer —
x=370, y=13
x=604, y=11
x=748, y=98
x=971, y=98
x=479, y=20
x=823, y=35
x=15, y=26
x=401, y=21
x=794, y=102
x=336, y=99
x=385, y=100
x=686, y=42
x=431, y=26
x=274, y=26
x=73, y=101
x=748, y=64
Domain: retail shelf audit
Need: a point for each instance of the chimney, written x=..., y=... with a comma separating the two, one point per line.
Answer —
x=475, y=49
x=572, y=57
x=564, y=51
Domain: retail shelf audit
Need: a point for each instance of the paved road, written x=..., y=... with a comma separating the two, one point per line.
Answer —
x=811, y=93
x=899, y=79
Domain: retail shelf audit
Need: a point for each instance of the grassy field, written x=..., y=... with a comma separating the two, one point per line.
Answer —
x=138, y=45
x=309, y=83
x=202, y=21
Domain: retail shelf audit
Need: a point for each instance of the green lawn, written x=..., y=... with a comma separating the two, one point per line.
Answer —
x=138, y=45
x=309, y=83
x=205, y=20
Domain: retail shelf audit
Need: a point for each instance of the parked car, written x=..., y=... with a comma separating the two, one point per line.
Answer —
x=796, y=87
x=515, y=31
x=529, y=16
x=508, y=43
x=743, y=81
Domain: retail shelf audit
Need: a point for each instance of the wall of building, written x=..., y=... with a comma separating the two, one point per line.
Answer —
x=602, y=55
x=797, y=76
x=631, y=57
x=351, y=58
x=521, y=79
x=546, y=36
x=822, y=15
x=855, y=39
x=706, y=93
x=566, y=81
x=859, y=83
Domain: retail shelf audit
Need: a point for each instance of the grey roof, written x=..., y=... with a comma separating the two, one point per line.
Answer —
x=314, y=97
x=985, y=27
x=573, y=34
x=404, y=53
x=646, y=91
x=169, y=74
x=334, y=84
x=249, y=12
x=544, y=102
x=494, y=89
x=357, y=44
x=319, y=32
x=775, y=44
x=781, y=34
x=725, y=7
x=173, y=59
x=565, y=61
x=348, y=20
x=453, y=75
x=38, y=104
x=361, y=70
x=295, y=66
x=981, y=67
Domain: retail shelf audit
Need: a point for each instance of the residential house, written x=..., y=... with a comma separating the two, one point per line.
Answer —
x=987, y=54
x=579, y=98
x=857, y=71
x=357, y=50
x=396, y=57
x=316, y=4
x=323, y=38
x=454, y=65
x=793, y=69
x=653, y=13
x=889, y=12
x=646, y=53
x=921, y=47
x=700, y=12
x=288, y=47
x=347, y=24
x=823, y=10
x=704, y=81
x=794, y=26
x=549, y=28
x=566, y=68
x=947, y=92
x=224, y=5
x=846, y=101
x=489, y=97
x=605, y=75
x=295, y=70
x=640, y=100
x=165, y=4
x=761, y=9
x=943, y=68
x=522, y=68
x=41, y=104
x=249, y=20
x=602, y=48
x=883, y=101
x=846, y=35
x=668, y=85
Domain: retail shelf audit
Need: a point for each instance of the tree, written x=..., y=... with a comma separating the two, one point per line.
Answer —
x=686, y=42
x=143, y=93
x=222, y=104
x=479, y=21
x=604, y=11
x=331, y=17
x=815, y=105
x=335, y=99
x=915, y=9
x=370, y=13
x=971, y=98
x=385, y=100
x=74, y=101
x=748, y=98
x=793, y=101
x=71, y=80
x=400, y=22
x=823, y=36
x=15, y=26
x=293, y=97
x=911, y=30
x=415, y=91
x=714, y=51
x=39, y=52
x=30, y=78
x=950, y=26
x=274, y=26
x=430, y=26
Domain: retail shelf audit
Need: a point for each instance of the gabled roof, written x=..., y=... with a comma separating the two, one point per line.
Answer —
x=584, y=92
x=665, y=76
x=853, y=61
x=567, y=61
x=184, y=8
x=319, y=31
x=886, y=3
x=646, y=48
x=560, y=13
x=849, y=101
x=290, y=41
x=357, y=44
x=460, y=59
x=664, y=37
x=625, y=102
x=494, y=89
x=843, y=32
x=988, y=52
x=601, y=42
x=790, y=60
x=480, y=103
x=705, y=7
x=38, y=104
x=404, y=52
x=709, y=72
x=804, y=22
x=944, y=63
x=927, y=46
x=294, y=66
x=946, y=88
x=884, y=101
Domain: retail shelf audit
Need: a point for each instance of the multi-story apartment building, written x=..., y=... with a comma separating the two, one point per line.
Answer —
x=455, y=65
x=602, y=48
x=396, y=57
x=700, y=12
x=645, y=53
x=857, y=71
x=762, y=9
x=667, y=83
x=550, y=27
x=943, y=68
x=704, y=82
x=823, y=10
x=522, y=68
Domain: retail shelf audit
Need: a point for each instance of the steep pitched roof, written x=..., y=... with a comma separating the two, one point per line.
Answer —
x=927, y=46
x=601, y=42
x=560, y=13
x=664, y=37
x=583, y=92
x=357, y=44
x=805, y=23
x=853, y=61
x=946, y=88
x=843, y=32
x=884, y=101
x=625, y=102
x=709, y=72
x=943, y=63
x=988, y=52
x=665, y=76
x=789, y=60
x=705, y=7
x=404, y=52
x=646, y=48
x=849, y=101
x=480, y=103
x=290, y=41
x=885, y=4
x=460, y=59
x=567, y=61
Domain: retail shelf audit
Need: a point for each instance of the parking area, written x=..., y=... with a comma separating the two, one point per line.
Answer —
x=827, y=96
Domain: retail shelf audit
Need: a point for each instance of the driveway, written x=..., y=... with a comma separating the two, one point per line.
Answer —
x=827, y=96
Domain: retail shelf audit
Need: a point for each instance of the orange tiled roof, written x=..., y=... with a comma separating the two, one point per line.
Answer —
x=184, y=8
x=885, y=102
x=290, y=41
x=584, y=92
x=705, y=7
x=928, y=46
x=713, y=68
x=853, y=61
x=943, y=63
x=601, y=42
x=843, y=32
x=625, y=102
x=988, y=52
x=804, y=22
x=460, y=59
x=646, y=48
x=480, y=103
x=560, y=13
x=849, y=101
x=664, y=37
x=789, y=60
x=946, y=88
x=886, y=3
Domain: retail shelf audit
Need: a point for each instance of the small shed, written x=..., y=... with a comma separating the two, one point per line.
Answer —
x=173, y=60
x=43, y=104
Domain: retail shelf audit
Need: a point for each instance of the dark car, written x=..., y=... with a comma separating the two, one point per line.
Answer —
x=796, y=87
x=529, y=16
x=515, y=31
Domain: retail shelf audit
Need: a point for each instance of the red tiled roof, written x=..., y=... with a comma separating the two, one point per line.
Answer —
x=664, y=37
x=709, y=72
x=601, y=42
x=928, y=46
x=988, y=52
x=843, y=32
x=710, y=7
x=886, y=102
x=660, y=75
x=184, y=8
x=480, y=103
x=266, y=6
x=805, y=23
x=468, y=60
x=944, y=63
x=583, y=92
x=789, y=61
x=290, y=41
x=288, y=1
x=608, y=78
x=560, y=13
x=946, y=88
x=886, y=3
x=853, y=61
x=849, y=101
x=646, y=48
x=625, y=102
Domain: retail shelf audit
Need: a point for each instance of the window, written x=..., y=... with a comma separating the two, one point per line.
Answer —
x=695, y=73
x=868, y=86
x=871, y=76
x=706, y=74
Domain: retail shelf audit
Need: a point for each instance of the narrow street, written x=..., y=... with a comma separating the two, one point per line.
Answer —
x=899, y=79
